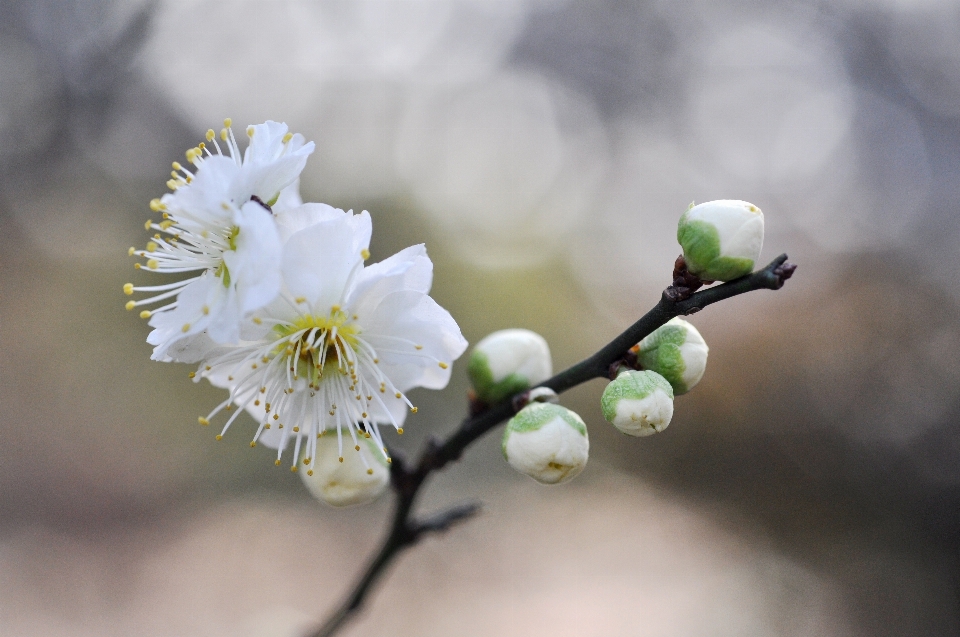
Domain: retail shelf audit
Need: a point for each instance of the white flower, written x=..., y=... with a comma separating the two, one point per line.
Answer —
x=359, y=479
x=547, y=442
x=340, y=345
x=508, y=361
x=218, y=222
x=722, y=239
x=638, y=403
x=677, y=352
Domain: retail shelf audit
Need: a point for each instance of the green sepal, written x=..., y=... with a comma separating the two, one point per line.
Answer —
x=660, y=352
x=478, y=368
x=631, y=385
x=701, y=250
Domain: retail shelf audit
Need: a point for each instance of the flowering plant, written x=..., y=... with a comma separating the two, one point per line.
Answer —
x=279, y=308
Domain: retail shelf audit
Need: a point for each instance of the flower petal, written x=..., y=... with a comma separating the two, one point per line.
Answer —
x=200, y=305
x=255, y=265
x=401, y=322
x=319, y=261
x=302, y=217
x=409, y=269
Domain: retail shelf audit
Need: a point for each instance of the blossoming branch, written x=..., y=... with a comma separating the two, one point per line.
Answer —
x=275, y=303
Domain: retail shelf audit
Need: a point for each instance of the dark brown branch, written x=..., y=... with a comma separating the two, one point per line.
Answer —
x=406, y=481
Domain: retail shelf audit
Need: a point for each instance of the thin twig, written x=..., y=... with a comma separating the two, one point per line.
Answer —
x=406, y=530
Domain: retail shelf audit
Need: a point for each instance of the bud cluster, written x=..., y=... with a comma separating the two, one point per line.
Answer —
x=721, y=241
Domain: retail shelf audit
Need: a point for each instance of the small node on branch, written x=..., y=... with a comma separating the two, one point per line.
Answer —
x=629, y=361
x=684, y=282
x=783, y=272
x=476, y=405
x=535, y=395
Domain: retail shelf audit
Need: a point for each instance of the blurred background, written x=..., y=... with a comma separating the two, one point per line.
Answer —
x=543, y=150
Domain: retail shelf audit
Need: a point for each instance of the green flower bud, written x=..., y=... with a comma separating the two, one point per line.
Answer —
x=547, y=442
x=721, y=240
x=357, y=477
x=638, y=403
x=677, y=352
x=507, y=362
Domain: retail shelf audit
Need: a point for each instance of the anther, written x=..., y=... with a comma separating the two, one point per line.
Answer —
x=293, y=468
x=287, y=137
x=357, y=447
x=443, y=365
x=250, y=130
x=227, y=123
x=341, y=458
x=152, y=246
x=413, y=409
x=370, y=472
x=192, y=375
x=400, y=431
x=277, y=462
x=203, y=421
x=185, y=328
x=219, y=437
x=365, y=254
x=130, y=305
x=253, y=443
x=153, y=264
x=131, y=251
x=146, y=314
x=210, y=135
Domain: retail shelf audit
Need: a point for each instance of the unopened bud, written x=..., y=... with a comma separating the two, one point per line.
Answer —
x=677, y=352
x=507, y=362
x=721, y=240
x=638, y=403
x=547, y=442
x=360, y=478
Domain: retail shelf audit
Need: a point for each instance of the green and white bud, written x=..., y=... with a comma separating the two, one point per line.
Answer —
x=507, y=362
x=677, y=352
x=356, y=477
x=547, y=442
x=638, y=403
x=721, y=240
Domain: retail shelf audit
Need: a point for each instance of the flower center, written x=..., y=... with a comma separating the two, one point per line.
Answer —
x=315, y=344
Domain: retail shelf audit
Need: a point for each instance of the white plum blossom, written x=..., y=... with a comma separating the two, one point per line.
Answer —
x=509, y=361
x=676, y=351
x=547, y=442
x=361, y=477
x=721, y=239
x=340, y=345
x=638, y=403
x=219, y=224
